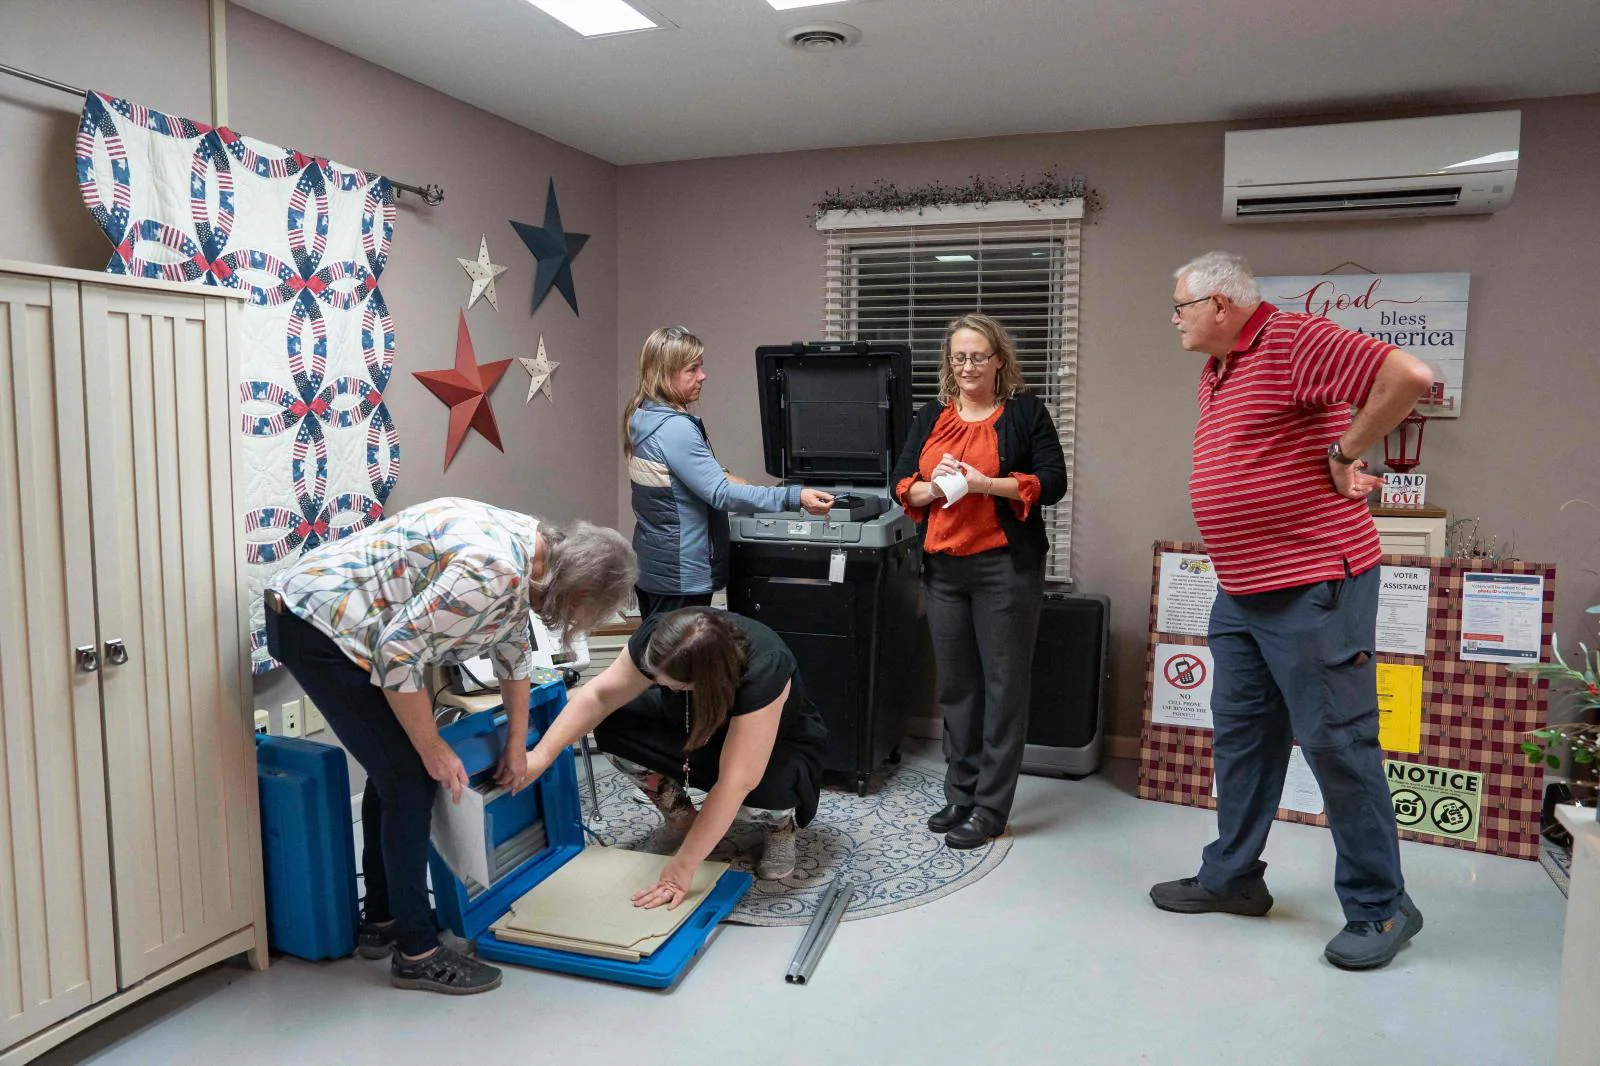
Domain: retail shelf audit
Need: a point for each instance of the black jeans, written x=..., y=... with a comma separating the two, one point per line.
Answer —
x=1297, y=664
x=397, y=806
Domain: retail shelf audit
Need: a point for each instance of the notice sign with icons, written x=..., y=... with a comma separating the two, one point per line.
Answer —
x=1435, y=799
x=1183, y=685
x=1188, y=589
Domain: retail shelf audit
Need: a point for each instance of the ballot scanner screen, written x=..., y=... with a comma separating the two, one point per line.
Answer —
x=836, y=417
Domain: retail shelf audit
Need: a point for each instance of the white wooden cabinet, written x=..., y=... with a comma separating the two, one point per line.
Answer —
x=130, y=848
x=1411, y=530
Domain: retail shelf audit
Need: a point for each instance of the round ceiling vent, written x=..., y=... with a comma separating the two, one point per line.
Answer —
x=821, y=36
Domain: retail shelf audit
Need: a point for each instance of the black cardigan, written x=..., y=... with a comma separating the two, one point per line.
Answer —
x=1028, y=444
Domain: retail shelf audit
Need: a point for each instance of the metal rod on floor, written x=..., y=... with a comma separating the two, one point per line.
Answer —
x=820, y=932
x=810, y=935
x=432, y=195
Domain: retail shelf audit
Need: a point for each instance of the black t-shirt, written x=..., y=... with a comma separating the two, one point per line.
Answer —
x=769, y=665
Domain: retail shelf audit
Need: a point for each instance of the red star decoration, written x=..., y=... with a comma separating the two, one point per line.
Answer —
x=466, y=389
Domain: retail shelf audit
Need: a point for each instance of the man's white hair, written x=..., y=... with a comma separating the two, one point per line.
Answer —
x=1221, y=274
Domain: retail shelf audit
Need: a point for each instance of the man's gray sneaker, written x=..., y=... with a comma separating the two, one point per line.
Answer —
x=1189, y=896
x=1369, y=945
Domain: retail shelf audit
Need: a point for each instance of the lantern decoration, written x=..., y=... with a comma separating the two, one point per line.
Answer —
x=1405, y=451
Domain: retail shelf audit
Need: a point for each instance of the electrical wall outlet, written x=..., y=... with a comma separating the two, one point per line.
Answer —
x=289, y=722
x=314, y=722
x=263, y=721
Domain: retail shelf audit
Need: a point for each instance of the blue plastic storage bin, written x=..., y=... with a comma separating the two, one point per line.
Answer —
x=308, y=848
x=478, y=739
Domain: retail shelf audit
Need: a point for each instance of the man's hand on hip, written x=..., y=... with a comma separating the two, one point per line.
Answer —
x=1351, y=480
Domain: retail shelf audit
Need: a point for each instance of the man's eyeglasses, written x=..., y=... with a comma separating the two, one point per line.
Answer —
x=1177, y=309
x=975, y=360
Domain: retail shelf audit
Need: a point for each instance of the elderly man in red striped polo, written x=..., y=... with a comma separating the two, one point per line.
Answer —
x=1279, y=493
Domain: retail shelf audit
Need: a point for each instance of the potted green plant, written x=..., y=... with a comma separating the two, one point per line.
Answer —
x=1570, y=748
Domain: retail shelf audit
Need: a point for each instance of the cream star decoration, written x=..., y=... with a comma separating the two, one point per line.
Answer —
x=539, y=369
x=482, y=272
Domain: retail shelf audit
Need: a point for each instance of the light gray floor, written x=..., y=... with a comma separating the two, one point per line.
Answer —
x=1055, y=957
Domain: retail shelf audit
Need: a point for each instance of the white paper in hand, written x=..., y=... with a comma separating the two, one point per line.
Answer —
x=954, y=486
x=459, y=835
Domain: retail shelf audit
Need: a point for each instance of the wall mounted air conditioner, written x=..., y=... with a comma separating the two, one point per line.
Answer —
x=1448, y=165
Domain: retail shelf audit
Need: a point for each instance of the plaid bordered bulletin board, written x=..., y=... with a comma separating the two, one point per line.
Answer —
x=1474, y=715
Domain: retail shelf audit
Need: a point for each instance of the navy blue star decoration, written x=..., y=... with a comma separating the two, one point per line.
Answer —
x=555, y=249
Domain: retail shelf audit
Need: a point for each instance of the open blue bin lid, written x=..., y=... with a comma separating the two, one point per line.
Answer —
x=468, y=911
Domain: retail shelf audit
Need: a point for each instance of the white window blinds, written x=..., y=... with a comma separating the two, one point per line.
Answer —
x=893, y=279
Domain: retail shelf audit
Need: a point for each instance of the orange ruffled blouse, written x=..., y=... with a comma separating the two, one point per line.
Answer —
x=970, y=525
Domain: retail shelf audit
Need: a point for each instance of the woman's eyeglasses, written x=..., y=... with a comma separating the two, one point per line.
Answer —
x=974, y=360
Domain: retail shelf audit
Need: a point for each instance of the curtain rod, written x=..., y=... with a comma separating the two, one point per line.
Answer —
x=432, y=195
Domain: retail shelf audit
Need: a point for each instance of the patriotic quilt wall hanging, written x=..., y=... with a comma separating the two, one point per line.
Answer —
x=307, y=239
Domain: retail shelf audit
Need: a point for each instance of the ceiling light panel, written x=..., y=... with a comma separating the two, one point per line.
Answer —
x=790, y=5
x=596, y=18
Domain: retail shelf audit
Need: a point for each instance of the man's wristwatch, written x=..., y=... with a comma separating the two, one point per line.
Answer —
x=1340, y=457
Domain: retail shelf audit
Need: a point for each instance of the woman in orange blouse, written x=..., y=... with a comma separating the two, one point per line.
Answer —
x=978, y=464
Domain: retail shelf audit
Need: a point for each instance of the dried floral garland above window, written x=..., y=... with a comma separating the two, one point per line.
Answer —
x=1050, y=188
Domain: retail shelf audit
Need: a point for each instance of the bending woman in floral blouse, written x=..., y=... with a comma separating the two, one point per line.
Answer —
x=357, y=621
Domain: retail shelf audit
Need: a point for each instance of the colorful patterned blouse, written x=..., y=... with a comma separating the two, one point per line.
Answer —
x=440, y=582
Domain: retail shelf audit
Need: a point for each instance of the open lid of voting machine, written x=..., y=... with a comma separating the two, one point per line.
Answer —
x=834, y=412
x=533, y=834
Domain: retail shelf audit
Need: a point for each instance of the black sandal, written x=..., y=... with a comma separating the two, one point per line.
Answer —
x=443, y=971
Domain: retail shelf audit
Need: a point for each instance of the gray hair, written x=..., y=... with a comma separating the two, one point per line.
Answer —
x=589, y=573
x=1221, y=274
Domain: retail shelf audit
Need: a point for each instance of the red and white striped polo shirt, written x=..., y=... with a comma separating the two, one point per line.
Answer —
x=1260, y=489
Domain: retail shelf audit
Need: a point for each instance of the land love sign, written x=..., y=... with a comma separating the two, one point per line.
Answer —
x=1425, y=314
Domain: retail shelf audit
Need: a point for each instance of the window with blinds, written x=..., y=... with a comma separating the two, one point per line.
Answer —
x=888, y=281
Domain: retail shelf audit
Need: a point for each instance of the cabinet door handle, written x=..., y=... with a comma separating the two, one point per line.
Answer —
x=116, y=652
x=88, y=658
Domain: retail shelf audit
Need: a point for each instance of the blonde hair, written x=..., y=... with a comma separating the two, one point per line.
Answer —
x=666, y=352
x=1008, y=380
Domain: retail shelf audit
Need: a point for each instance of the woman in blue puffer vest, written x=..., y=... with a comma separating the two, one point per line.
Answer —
x=681, y=493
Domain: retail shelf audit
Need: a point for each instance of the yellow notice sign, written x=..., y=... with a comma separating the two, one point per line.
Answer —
x=1400, y=707
x=1434, y=799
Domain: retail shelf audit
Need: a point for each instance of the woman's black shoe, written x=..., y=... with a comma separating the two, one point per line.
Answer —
x=980, y=827
x=375, y=940
x=443, y=971
x=947, y=819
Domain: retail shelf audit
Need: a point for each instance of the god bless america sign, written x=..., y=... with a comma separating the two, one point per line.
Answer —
x=1425, y=314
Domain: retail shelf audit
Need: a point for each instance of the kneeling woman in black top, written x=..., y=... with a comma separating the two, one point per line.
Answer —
x=711, y=699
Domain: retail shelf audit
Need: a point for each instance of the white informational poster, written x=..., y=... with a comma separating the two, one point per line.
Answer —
x=1501, y=617
x=1403, y=609
x=1425, y=314
x=1183, y=686
x=1300, y=790
x=1188, y=589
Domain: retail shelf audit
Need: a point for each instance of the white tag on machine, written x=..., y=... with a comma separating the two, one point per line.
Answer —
x=836, y=565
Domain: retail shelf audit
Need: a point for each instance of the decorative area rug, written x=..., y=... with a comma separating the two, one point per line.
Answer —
x=880, y=839
x=306, y=239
